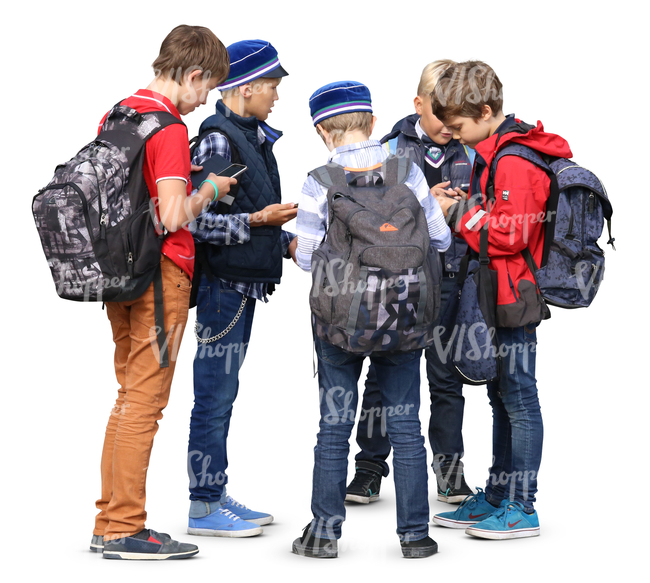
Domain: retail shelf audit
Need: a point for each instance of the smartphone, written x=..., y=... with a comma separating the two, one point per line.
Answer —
x=233, y=170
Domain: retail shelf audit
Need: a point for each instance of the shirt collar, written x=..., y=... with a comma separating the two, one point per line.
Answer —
x=161, y=99
x=336, y=152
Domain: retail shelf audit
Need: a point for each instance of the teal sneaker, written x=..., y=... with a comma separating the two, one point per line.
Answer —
x=509, y=521
x=245, y=513
x=223, y=522
x=471, y=510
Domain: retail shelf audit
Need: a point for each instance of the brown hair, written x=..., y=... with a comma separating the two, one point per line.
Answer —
x=188, y=48
x=339, y=125
x=464, y=89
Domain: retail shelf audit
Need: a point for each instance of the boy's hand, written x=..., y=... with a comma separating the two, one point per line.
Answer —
x=195, y=168
x=292, y=249
x=274, y=215
x=445, y=202
x=223, y=183
x=442, y=190
x=460, y=193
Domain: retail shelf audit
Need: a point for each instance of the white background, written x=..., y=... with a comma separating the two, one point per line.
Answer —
x=580, y=68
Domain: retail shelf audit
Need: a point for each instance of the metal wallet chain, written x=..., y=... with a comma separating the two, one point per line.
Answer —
x=221, y=334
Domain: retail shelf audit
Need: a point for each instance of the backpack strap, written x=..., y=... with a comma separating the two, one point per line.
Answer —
x=159, y=318
x=551, y=205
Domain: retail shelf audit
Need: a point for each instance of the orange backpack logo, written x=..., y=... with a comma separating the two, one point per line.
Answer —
x=388, y=227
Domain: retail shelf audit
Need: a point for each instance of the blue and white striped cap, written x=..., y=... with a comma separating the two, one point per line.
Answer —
x=337, y=98
x=250, y=60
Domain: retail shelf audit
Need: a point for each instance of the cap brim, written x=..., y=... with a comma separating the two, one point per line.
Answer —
x=277, y=72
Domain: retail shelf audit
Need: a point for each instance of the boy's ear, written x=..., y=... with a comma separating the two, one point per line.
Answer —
x=246, y=90
x=194, y=75
x=487, y=112
x=417, y=102
x=372, y=125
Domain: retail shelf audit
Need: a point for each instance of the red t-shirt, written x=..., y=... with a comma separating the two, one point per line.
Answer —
x=167, y=155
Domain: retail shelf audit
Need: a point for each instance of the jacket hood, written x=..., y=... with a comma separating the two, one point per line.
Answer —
x=536, y=138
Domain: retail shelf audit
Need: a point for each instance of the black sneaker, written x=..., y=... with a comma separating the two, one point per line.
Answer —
x=418, y=549
x=148, y=545
x=452, y=487
x=365, y=486
x=97, y=543
x=310, y=546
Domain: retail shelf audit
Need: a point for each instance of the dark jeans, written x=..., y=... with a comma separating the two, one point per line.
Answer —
x=338, y=375
x=447, y=405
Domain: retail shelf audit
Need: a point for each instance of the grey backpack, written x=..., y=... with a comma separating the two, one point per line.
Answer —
x=375, y=278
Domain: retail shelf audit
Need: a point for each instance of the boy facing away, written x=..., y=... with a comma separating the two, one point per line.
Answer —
x=192, y=61
x=468, y=99
x=342, y=114
x=240, y=250
x=446, y=165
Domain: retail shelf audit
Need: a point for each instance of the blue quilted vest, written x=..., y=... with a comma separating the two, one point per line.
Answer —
x=457, y=168
x=260, y=259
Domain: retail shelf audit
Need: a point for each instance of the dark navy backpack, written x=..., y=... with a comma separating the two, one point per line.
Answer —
x=573, y=264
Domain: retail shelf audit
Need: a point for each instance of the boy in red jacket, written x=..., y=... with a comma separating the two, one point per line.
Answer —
x=468, y=99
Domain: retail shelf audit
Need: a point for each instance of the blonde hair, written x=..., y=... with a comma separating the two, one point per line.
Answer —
x=338, y=125
x=430, y=75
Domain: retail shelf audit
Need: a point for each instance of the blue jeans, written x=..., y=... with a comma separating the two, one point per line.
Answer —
x=399, y=384
x=216, y=382
x=447, y=406
x=517, y=430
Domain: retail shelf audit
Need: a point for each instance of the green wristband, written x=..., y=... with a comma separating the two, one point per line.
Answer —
x=216, y=190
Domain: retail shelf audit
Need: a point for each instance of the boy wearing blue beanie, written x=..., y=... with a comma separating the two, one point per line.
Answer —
x=240, y=248
x=342, y=114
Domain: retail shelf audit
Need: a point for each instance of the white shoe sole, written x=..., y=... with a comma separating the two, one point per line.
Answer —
x=453, y=499
x=449, y=523
x=148, y=556
x=361, y=499
x=502, y=535
x=260, y=521
x=225, y=533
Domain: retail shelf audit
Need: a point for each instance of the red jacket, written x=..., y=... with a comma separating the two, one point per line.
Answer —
x=516, y=217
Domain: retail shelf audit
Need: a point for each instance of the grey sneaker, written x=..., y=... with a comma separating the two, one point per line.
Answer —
x=148, y=545
x=97, y=543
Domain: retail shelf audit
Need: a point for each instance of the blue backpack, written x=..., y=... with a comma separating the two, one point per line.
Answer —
x=573, y=264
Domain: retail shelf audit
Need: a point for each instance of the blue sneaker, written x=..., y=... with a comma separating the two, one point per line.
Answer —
x=223, y=522
x=246, y=513
x=509, y=521
x=471, y=510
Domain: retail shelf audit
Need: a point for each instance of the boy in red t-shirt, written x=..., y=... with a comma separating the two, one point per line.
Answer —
x=192, y=61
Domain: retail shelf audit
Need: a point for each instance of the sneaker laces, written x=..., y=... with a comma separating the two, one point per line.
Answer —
x=502, y=511
x=470, y=501
x=229, y=514
x=362, y=479
x=231, y=500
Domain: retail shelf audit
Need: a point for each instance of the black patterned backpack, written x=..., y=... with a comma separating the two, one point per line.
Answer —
x=97, y=223
x=375, y=278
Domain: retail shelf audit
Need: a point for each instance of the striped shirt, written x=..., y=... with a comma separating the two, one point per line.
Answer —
x=230, y=229
x=313, y=213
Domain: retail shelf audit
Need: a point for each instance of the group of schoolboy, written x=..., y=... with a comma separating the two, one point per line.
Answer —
x=237, y=251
